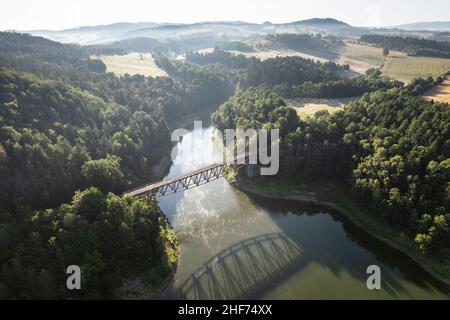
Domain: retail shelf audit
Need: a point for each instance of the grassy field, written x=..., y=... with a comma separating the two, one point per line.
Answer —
x=132, y=63
x=364, y=53
x=439, y=93
x=263, y=49
x=398, y=65
x=263, y=54
x=360, y=57
x=405, y=68
x=307, y=107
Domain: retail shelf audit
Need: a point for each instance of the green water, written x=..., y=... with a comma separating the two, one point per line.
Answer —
x=236, y=246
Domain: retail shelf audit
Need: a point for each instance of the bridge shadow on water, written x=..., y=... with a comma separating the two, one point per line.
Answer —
x=254, y=266
x=243, y=270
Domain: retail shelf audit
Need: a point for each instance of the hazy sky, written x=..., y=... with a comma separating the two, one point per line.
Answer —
x=60, y=14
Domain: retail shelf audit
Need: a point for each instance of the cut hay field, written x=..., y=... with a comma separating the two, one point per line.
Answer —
x=360, y=57
x=307, y=107
x=2, y=151
x=405, y=68
x=132, y=63
x=440, y=93
x=370, y=55
x=263, y=54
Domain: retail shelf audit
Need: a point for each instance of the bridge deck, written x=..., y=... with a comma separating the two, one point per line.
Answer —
x=184, y=181
x=149, y=187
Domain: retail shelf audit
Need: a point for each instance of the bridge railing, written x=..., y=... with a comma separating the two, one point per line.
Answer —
x=187, y=180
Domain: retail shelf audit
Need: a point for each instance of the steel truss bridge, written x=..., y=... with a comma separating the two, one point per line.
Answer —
x=185, y=181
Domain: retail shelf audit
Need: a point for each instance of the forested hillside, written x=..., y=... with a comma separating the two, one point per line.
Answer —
x=410, y=45
x=51, y=131
x=253, y=72
x=391, y=147
x=304, y=41
x=111, y=238
x=291, y=77
x=55, y=110
x=340, y=88
x=66, y=125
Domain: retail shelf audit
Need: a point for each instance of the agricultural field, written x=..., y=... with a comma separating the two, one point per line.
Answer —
x=440, y=93
x=267, y=53
x=132, y=63
x=360, y=57
x=397, y=65
x=364, y=53
x=405, y=68
x=307, y=107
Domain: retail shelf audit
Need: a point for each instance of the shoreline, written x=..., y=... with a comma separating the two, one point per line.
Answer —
x=390, y=237
x=137, y=291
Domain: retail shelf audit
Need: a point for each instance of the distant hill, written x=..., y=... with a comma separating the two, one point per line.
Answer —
x=330, y=22
x=219, y=31
x=226, y=30
x=432, y=26
x=113, y=26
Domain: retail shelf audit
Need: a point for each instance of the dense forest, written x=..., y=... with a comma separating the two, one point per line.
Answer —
x=73, y=138
x=296, y=41
x=124, y=46
x=289, y=70
x=111, y=238
x=410, y=45
x=220, y=56
x=340, y=88
x=250, y=72
x=392, y=148
x=235, y=46
x=66, y=125
x=291, y=77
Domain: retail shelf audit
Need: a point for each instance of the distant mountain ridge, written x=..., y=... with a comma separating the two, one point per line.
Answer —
x=431, y=25
x=322, y=21
x=133, y=25
x=140, y=25
x=234, y=30
x=220, y=30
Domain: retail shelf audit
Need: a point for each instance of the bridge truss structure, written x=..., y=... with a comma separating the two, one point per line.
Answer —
x=183, y=182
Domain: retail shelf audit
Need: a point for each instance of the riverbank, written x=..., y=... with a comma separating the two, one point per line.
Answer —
x=152, y=284
x=338, y=197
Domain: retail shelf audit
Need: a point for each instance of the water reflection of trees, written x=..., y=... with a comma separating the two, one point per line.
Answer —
x=337, y=258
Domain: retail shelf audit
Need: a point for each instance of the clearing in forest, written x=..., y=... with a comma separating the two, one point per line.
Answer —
x=360, y=57
x=307, y=107
x=132, y=63
x=405, y=68
x=440, y=93
x=263, y=54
